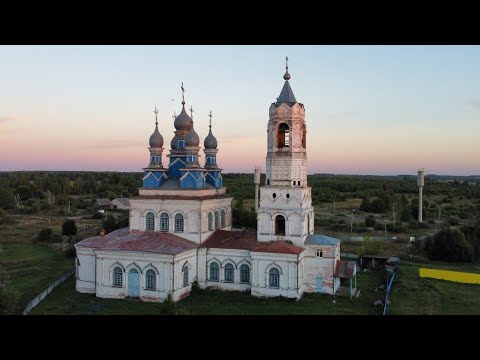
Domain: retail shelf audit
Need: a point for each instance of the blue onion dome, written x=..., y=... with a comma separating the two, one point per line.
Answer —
x=174, y=143
x=210, y=141
x=192, y=138
x=156, y=139
x=183, y=122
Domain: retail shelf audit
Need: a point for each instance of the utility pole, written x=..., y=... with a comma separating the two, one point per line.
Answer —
x=351, y=223
x=393, y=217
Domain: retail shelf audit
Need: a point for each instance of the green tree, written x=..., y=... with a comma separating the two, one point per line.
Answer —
x=406, y=214
x=69, y=228
x=7, y=199
x=378, y=206
x=365, y=205
x=370, y=221
x=373, y=247
x=449, y=244
x=25, y=192
x=109, y=224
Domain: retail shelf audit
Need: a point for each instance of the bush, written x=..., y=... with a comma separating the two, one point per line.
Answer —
x=96, y=215
x=168, y=306
x=195, y=287
x=45, y=235
x=370, y=221
x=69, y=228
x=56, y=238
x=109, y=224
x=373, y=247
x=453, y=221
x=449, y=244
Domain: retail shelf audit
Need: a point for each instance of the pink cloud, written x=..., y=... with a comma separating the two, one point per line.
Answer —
x=5, y=118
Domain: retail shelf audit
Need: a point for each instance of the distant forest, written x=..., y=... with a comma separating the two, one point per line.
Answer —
x=42, y=185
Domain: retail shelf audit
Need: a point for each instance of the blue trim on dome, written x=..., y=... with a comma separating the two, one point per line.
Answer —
x=176, y=165
x=192, y=179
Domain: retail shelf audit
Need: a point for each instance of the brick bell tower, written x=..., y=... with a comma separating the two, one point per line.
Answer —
x=285, y=211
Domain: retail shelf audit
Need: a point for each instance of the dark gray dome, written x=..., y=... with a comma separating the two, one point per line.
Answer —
x=287, y=76
x=156, y=139
x=174, y=143
x=183, y=122
x=192, y=138
x=210, y=141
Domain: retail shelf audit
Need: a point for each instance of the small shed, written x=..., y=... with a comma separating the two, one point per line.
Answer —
x=373, y=261
x=121, y=203
x=103, y=204
x=347, y=270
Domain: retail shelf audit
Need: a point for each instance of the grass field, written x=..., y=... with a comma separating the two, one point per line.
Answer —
x=32, y=267
x=410, y=295
x=65, y=300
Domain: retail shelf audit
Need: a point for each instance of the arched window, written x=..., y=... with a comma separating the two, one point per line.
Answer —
x=222, y=219
x=179, y=223
x=151, y=280
x=274, y=278
x=150, y=222
x=268, y=182
x=298, y=182
x=280, y=225
x=245, y=274
x=229, y=273
x=216, y=220
x=118, y=276
x=283, y=136
x=185, y=275
x=213, y=271
x=210, y=222
x=294, y=182
x=164, y=218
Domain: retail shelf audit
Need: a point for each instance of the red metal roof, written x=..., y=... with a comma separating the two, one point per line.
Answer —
x=153, y=242
x=345, y=269
x=247, y=240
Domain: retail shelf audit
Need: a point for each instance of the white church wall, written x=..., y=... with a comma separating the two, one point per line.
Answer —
x=161, y=264
x=85, y=277
x=287, y=266
x=187, y=259
x=189, y=209
x=222, y=257
x=323, y=267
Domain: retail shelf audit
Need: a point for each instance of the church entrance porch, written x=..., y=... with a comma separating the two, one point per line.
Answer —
x=133, y=283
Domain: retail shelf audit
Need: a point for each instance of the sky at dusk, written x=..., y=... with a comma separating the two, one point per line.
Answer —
x=382, y=110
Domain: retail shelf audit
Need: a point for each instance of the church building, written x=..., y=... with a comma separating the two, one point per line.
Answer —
x=180, y=226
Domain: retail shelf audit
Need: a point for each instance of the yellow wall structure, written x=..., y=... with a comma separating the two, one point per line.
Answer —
x=455, y=276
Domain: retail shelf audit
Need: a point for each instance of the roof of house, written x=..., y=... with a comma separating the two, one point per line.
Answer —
x=152, y=242
x=123, y=201
x=104, y=202
x=247, y=240
x=316, y=239
x=345, y=269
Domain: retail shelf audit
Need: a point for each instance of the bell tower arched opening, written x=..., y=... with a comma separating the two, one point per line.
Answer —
x=280, y=225
x=283, y=136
